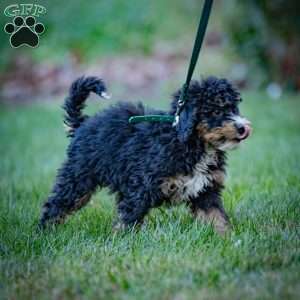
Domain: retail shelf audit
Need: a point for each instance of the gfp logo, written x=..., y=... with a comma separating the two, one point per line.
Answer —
x=24, y=29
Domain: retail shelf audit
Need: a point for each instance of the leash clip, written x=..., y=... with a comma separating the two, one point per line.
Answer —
x=180, y=104
x=176, y=121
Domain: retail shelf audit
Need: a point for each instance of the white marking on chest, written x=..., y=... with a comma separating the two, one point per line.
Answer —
x=181, y=187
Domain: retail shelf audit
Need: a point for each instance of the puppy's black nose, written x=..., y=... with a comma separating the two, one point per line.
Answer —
x=240, y=128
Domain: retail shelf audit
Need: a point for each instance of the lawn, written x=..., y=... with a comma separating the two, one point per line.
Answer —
x=172, y=257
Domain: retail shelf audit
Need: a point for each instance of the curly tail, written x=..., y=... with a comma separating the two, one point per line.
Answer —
x=74, y=103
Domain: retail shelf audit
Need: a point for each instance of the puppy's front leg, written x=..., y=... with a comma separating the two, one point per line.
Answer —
x=207, y=207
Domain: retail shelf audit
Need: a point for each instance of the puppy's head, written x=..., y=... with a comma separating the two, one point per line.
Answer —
x=211, y=113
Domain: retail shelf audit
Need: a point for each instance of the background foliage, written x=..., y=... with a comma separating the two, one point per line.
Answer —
x=267, y=33
x=261, y=35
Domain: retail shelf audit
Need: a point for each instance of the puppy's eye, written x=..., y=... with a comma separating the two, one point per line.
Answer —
x=235, y=110
x=217, y=113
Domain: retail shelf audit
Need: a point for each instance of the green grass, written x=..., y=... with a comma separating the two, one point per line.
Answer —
x=90, y=29
x=173, y=257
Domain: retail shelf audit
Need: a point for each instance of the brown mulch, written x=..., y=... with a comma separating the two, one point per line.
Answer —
x=135, y=75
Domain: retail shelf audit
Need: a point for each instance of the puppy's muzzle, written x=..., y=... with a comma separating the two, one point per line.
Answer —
x=243, y=131
x=243, y=127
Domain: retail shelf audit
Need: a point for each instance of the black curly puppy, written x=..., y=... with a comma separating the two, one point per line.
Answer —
x=148, y=164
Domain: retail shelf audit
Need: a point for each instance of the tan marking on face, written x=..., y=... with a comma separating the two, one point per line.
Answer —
x=215, y=135
x=215, y=217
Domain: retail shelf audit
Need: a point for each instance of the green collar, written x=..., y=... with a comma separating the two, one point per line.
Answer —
x=152, y=118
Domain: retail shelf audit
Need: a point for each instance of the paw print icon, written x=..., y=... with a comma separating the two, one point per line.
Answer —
x=24, y=31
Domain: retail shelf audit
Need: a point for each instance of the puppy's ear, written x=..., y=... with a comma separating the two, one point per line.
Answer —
x=188, y=116
x=186, y=123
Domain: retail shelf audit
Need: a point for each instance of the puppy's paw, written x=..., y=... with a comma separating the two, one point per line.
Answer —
x=119, y=226
x=216, y=218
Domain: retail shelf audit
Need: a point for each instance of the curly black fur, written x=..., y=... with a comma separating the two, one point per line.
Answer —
x=136, y=161
x=74, y=104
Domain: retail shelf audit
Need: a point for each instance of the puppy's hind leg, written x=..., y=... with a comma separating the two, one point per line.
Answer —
x=131, y=211
x=72, y=190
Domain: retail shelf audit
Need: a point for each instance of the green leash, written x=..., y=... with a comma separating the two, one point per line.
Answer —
x=152, y=118
x=195, y=54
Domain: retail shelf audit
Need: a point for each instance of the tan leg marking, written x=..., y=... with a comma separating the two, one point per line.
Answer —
x=215, y=217
x=79, y=203
x=218, y=176
x=118, y=226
